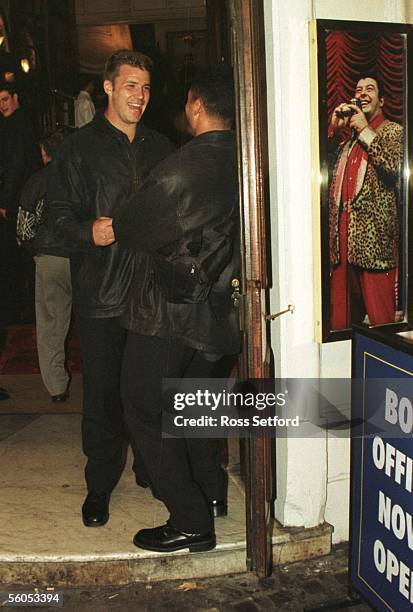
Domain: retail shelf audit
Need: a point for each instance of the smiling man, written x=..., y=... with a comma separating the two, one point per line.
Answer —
x=99, y=167
x=363, y=210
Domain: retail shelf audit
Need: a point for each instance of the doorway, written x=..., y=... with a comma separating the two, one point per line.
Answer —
x=231, y=31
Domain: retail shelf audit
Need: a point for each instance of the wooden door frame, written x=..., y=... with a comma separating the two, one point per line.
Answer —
x=248, y=52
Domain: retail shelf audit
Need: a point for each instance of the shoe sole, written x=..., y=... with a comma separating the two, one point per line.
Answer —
x=195, y=547
x=201, y=547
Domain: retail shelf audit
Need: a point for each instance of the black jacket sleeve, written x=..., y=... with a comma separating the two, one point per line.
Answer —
x=67, y=200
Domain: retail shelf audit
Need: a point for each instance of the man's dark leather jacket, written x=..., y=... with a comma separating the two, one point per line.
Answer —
x=19, y=158
x=97, y=169
x=186, y=211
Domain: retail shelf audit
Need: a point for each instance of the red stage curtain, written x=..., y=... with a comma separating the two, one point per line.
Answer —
x=350, y=54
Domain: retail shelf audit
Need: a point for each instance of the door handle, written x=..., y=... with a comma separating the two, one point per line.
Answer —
x=271, y=317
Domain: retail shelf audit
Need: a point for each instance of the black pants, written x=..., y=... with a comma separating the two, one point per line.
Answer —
x=102, y=343
x=184, y=473
x=16, y=276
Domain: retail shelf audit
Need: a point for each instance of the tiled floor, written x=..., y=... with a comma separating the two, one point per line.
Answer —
x=43, y=489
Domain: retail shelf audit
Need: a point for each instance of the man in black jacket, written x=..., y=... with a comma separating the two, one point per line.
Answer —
x=19, y=159
x=99, y=167
x=181, y=318
x=20, y=155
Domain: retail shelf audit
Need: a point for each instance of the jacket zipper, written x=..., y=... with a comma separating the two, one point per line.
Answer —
x=134, y=160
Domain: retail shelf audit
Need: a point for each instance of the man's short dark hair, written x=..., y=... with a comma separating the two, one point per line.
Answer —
x=51, y=142
x=215, y=86
x=9, y=87
x=128, y=57
x=372, y=75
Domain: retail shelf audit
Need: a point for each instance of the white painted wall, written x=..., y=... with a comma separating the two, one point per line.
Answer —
x=312, y=473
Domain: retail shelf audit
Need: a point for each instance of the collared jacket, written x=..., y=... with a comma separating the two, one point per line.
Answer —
x=373, y=230
x=96, y=169
x=184, y=222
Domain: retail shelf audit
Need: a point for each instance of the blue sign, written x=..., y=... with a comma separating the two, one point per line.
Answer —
x=382, y=475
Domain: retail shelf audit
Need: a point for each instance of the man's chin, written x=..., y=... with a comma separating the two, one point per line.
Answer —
x=135, y=116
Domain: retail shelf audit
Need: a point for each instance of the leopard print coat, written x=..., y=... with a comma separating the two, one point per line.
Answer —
x=373, y=230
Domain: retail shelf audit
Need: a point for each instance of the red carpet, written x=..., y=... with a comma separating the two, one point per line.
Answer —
x=20, y=353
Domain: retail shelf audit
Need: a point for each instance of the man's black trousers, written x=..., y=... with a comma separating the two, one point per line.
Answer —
x=102, y=344
x=184, y=473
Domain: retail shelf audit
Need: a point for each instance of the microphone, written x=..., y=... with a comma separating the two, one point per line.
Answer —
x=347, y=111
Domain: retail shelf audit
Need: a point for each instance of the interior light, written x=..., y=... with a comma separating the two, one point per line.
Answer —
x=24, y=63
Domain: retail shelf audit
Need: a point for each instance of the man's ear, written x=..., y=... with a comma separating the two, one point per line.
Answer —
x=381, y=101
x=108, y=87
x=198, y=106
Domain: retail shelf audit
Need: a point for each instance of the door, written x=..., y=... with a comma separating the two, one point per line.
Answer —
x=248, y=51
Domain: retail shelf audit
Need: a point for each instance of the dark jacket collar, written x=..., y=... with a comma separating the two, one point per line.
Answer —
x=103, y=124
x=216, y=136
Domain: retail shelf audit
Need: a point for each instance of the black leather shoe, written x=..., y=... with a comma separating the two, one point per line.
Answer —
x=95, y=510
x=167, y=539
x=218, y=507
x=61, y=397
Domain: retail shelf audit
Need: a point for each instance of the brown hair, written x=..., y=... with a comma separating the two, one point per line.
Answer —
x=51, y=142
x=8, y=86
x=128, y=57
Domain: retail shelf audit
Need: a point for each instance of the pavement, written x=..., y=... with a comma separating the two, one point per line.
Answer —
x=316, y=585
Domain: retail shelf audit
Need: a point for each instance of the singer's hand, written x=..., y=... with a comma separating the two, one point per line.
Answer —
x=358, y=120
x=338, y=123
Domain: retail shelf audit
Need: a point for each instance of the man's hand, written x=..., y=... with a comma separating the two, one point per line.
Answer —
x=3, y=213
x=338, y=122
x=358, y=119
x=103, y=232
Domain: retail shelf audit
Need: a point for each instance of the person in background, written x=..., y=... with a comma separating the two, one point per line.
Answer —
x=84, y=107
x=20, y=156
x=53, y=289
x=19, y=159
